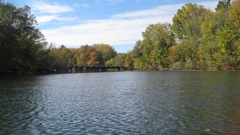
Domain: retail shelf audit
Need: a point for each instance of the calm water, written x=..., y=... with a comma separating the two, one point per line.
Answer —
x=121, y=103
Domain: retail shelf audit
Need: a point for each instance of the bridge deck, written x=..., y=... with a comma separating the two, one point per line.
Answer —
x=96, y=68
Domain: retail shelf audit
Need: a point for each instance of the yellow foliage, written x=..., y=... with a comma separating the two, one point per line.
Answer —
x=234, y=14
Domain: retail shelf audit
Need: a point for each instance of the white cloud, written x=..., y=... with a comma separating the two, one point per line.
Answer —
x=51, y=12
x=209, y=5
x=48, y=18
x=119, y=29
x=169, y=10
x=50, y=8
x=45, y=18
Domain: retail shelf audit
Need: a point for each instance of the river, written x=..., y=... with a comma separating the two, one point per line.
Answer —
x=121, y=103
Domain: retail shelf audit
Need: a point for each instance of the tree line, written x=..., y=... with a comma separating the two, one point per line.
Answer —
x=23, y=47
x=62, y=59
x=198, y=39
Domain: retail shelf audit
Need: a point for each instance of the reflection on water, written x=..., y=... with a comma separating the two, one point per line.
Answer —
x=121, y=103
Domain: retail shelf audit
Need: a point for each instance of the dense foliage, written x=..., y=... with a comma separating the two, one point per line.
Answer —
x=198, y=39
x=62, y=58
x=21, y=43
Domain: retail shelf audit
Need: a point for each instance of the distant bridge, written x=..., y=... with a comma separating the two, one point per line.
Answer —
x=95, y=68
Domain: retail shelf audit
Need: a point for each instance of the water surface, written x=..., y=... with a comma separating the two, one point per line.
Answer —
x=121, y=103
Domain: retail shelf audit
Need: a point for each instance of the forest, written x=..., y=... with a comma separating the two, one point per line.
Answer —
x=197, y=39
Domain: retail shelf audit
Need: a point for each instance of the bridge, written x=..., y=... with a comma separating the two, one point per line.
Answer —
x=95, y=68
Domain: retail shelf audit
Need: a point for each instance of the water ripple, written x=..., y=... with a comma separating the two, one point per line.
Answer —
x=121, y=103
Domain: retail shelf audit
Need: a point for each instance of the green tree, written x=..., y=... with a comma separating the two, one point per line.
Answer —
x=234, y=15
x=187, y=27
x=134, y=55
x=137, y=50
x=187, y=21
x=157, y=40
x=128, y=62
x=220, y=48
x=223, y=5
x=20, y=41
x=118, y=60
x=105, y=52
x=139, y=64
x=229, y=38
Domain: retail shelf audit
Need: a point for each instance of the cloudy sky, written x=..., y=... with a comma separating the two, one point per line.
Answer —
x=119, y=23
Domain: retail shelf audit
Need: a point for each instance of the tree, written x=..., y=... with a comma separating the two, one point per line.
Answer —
x=128, y=62
x=234, y=15
x=229, y=38
x=137, y=50
x=118, y=60
x=187, y=27
x=223, y=5
x=187, y=21
x=105, y=51
x=139, y=64
x=220, y=47
x=131, y=61
x=20, y=41
x=157, y=39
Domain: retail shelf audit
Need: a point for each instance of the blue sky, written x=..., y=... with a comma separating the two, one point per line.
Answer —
x=119, y=23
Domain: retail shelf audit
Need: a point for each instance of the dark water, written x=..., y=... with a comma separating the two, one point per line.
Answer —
x=121, y=103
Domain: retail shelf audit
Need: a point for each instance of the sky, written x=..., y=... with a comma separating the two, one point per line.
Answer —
x=119, y=23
